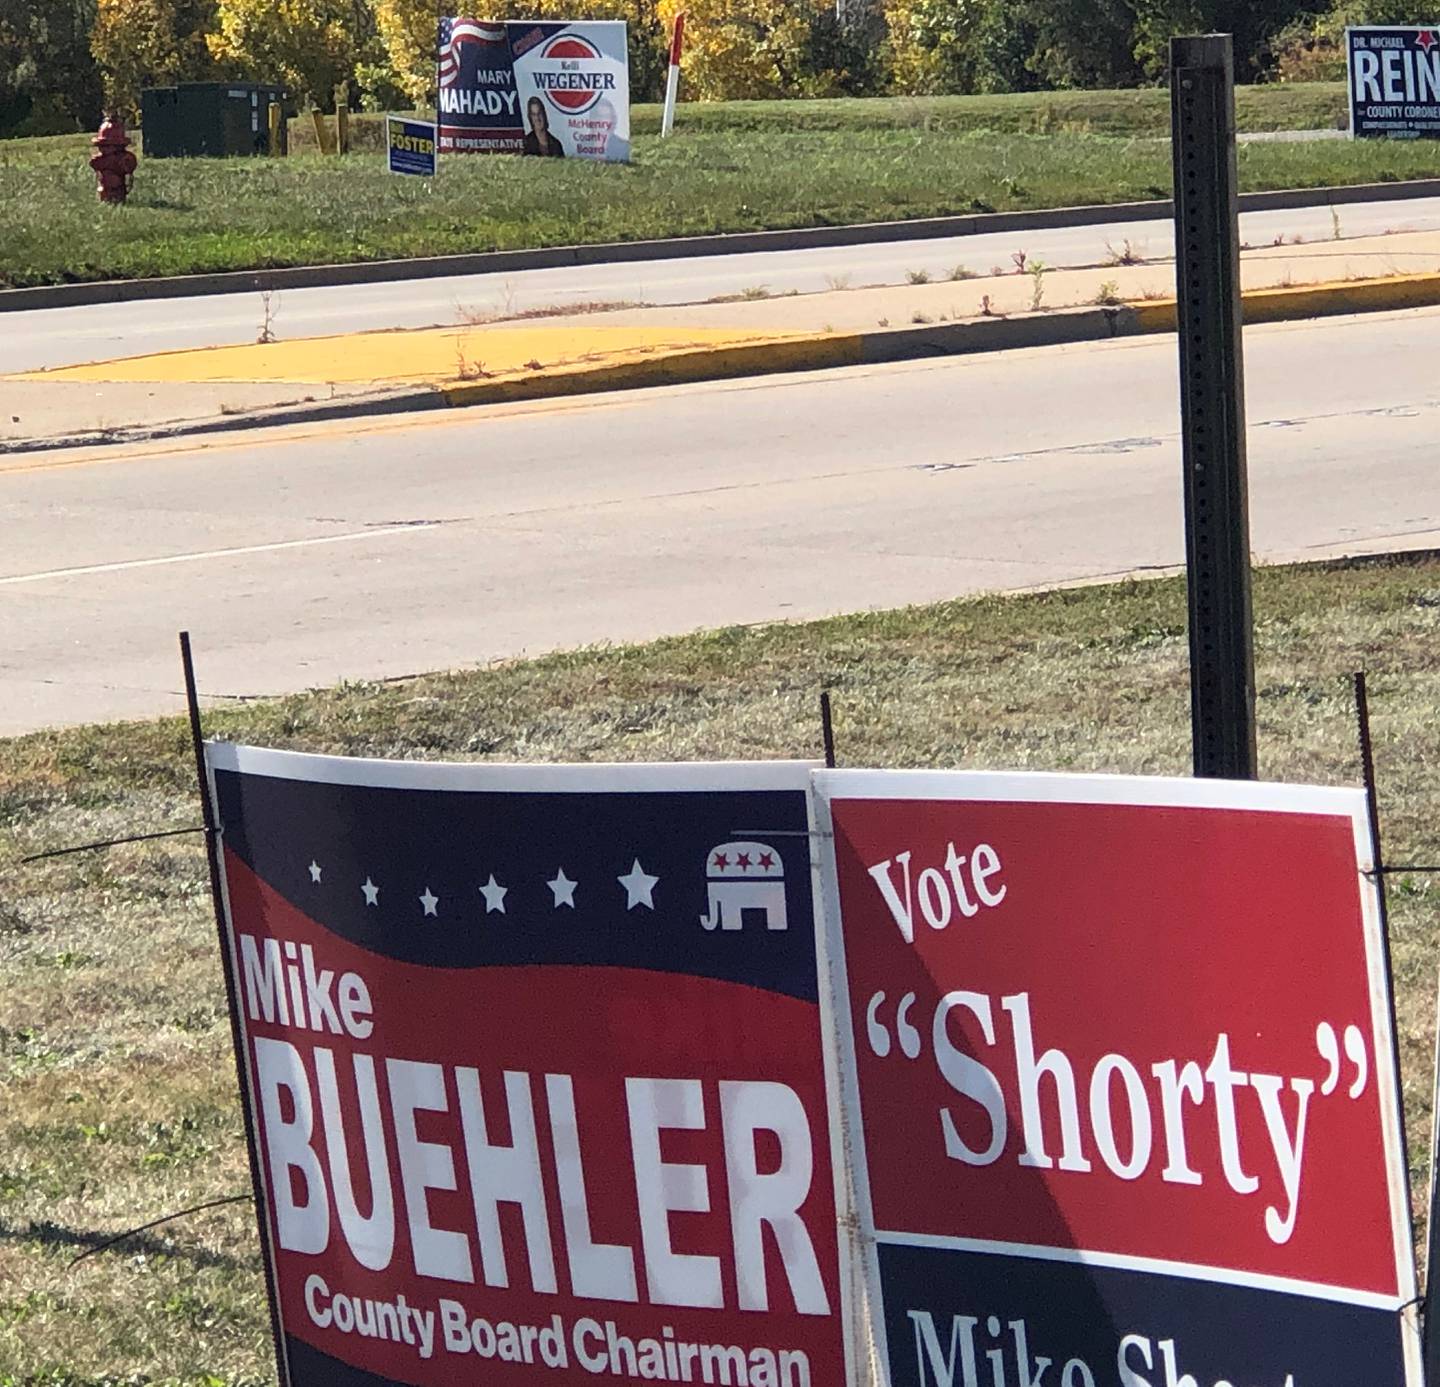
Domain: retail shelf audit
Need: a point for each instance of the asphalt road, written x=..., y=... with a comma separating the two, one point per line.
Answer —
x=301, y=557
x=69, y=336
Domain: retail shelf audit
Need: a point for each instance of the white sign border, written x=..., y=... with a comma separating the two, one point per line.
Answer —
x=510, y=777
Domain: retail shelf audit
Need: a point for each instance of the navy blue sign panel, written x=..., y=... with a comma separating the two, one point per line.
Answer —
x=478, y=102
x=972, y=1319
x=1394, y=82
x=410, y=146
x=693, y=882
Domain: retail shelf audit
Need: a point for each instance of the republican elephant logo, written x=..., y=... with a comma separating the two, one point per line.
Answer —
x=745, y=877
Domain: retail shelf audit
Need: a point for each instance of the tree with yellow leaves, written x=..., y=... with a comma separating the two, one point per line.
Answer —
x=409, y=30
x=739, y=49
x=148, y=43
x=310, y=45
x=752, y=49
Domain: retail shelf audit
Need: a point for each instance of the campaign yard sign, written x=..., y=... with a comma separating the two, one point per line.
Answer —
x=1120, y=1059
x=1394, y=76
x=555, y=89
x=410, y=146
x=534, y=1060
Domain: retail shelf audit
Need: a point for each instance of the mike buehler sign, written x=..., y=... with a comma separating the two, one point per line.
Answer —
x=536, y=1068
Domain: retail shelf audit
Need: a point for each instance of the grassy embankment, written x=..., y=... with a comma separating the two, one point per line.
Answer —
x=114, y=1049
x=734, y=167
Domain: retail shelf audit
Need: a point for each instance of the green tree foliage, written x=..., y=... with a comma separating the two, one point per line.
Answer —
x=150, y=43
x=1121, y=43
x=309, y=45
x=47, y=72
x=1311, y=48
x=1085, y=43
x=1254, y=24
x=936, y=46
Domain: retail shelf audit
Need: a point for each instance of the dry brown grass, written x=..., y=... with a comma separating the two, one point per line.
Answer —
x=114, y=1049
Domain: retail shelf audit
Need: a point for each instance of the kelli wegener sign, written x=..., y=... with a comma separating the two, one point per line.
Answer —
x=535, y=1064
x=554, y=89
x=1394, y=82
x=1121, y=1064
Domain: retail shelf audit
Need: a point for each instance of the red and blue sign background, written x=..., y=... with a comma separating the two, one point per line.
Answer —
x=537, y=923
x=493, y=75
x=1127, y=935
x=1114, y=1065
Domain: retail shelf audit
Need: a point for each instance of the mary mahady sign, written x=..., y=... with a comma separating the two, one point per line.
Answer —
x=1394, y=82
x=553, y=89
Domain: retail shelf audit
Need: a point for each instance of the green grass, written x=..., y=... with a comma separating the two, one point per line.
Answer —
x=1311, y=106
x=1302, y=106
x=197, y=215
x=740, y=166
x=114, y=1048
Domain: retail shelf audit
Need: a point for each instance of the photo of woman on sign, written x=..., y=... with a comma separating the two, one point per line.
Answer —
x=538, y=139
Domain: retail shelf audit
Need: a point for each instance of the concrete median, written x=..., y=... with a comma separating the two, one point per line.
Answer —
x=569, y=354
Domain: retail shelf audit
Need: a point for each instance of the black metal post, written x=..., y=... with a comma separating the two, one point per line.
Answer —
x=1212, y=401
x=827, y=730
x=237, y=1034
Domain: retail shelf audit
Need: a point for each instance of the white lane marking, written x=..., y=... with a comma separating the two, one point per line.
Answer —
x=200, y=555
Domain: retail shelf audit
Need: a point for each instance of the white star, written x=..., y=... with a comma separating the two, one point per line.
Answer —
x=314, y=871
x=639, y=887
x=563, y=889
x=372, y=892
x=494, y=895
x=429, y=902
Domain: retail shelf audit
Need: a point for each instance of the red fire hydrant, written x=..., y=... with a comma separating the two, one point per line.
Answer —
x=113, y=161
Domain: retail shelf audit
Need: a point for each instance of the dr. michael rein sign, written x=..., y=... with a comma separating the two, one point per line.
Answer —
x=1394, y=82
x=1120, y=1055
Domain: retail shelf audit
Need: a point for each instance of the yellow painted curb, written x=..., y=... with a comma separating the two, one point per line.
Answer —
x=420, y=356
x=1353, y=296
x=1311, y=301
x=697, y=364
x=1158, y=315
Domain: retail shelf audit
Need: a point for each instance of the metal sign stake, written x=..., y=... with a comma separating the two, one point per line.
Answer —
x=237, y=1037
x=1212, y=400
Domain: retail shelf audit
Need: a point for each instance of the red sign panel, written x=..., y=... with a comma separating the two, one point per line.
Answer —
x=1136, y=1025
